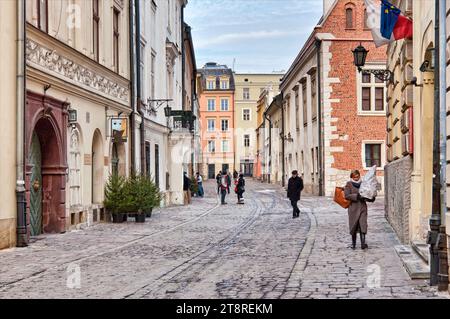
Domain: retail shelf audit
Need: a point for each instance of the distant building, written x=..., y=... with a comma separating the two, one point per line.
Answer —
x=216, y=93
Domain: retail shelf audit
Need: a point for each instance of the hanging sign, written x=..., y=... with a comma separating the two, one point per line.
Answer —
x=119, y=129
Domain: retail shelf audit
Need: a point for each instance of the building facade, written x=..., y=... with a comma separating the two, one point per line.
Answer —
x=217, y=114
x=10, y=93
x=248, y=90
x=276, y=138
x=77, y=110
x=334, y=115
x=164, y=82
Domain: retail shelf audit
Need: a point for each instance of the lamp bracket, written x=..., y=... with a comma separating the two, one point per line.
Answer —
x=383, y=75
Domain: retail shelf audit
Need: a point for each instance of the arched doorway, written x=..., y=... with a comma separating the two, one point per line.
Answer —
x=97, y=168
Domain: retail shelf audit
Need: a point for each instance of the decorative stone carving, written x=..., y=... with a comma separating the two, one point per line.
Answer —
x=52, y=61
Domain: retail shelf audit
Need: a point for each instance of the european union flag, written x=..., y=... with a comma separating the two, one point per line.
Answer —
x=389, y=17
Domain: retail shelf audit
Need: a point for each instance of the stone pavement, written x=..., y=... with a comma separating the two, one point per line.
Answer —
x=207, y=250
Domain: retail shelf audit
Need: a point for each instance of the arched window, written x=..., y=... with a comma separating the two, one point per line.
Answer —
x=366, y=26
x=75, y=169
x=349, y=23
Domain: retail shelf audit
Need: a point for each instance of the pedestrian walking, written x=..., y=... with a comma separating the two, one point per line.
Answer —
x=357, y=212
x=187, y=189
x=224, y=187
x=240, y=189
x=295, y=188
x=201, y=192
x=228, y=174
x=218, y=179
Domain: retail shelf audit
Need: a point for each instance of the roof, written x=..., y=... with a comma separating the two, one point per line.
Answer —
x=213, y=69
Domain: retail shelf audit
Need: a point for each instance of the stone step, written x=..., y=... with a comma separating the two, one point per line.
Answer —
x=413, y=263
x=422, y=249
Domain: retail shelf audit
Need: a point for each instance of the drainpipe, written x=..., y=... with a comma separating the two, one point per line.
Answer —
x=283, y=166
x=22, y=240
x=270, y=145
x=319, y=118
x=133, y=88
x=138, y=82
x=183, y=61
x=435, y=219
x=442, y=239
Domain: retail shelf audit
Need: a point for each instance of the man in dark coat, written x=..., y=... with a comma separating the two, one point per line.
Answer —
x=218, y=178
x=295, y=187
x=187, y=189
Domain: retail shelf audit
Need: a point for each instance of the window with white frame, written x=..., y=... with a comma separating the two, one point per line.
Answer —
x=225, y=146
x=246, y=94
x=246, y=140
x=211, y=146
x=211, y=125
x=211, y=104
x=75, y=169
x=373, y=154
x=225, y=126
x=211, y=84
x=224, y=84
x=246, y=114
x=371, y=93
x=224, y=104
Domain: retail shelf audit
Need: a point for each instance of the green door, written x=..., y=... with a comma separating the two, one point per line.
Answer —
x=36, y=187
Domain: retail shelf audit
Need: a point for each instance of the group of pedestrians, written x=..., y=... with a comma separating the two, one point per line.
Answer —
x=224, y=185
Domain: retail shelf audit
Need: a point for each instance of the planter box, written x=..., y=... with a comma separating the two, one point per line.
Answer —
x=140, y=218
x=118, y=218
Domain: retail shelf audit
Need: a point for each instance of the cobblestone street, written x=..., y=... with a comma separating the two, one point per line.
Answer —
x=210, y=251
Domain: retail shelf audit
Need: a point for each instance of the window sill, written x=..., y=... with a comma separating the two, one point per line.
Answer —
x=372, y=113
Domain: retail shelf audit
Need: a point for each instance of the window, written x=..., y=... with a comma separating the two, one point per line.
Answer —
x=224, y=104
x=366, y=26
x=211, y=84
x=211, y=105
x=313, y=163
x=116, y=42
x=246, y=114
x=96, y=28
x=373, y=155
x=225, y=146
x=313, y=97
x=156, y=177
x=349, y=18
x=305, y=104
x=152, y=75
x=211, y=146
x=371, y=94
x=75, y=169
x=246, y=140
x=42, y=15
x=147, y=158
x=211, y=125
x=246, y=95
x=142, y=68
x=224, y=84
x=297, y=111
x=224, y=125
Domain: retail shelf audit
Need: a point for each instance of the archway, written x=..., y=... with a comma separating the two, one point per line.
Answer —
x=97, y=168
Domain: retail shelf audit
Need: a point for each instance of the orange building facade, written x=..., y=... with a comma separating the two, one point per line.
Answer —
x=216, y=96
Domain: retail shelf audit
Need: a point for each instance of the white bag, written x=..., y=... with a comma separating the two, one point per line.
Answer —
x=369, y=185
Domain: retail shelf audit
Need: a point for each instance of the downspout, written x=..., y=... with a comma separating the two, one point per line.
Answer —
x=270, y=146
x=133, y=87
x=139, y=84
x=22, y=238
x=283, y=166
x=183, y=61
x=443, y=255
x=319, y=119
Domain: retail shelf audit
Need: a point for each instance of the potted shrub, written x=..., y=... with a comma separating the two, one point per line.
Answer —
x=141, y=195
x=114, y=197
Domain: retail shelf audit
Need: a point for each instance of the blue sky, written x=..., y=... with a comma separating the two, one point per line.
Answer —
x=262, y=35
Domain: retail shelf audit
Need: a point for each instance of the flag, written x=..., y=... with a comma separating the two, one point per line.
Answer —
x=387, y=23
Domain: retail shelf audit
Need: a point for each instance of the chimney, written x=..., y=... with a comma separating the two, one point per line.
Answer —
x=327, y=4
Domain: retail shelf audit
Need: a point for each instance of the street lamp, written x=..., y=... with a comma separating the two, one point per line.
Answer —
x=167, y=111
x=360, y=55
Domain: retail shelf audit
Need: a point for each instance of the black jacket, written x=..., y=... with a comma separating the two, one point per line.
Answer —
x=295, y=187
x=186, y=183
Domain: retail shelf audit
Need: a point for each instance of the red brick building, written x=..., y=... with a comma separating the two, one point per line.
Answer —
x=334, y=116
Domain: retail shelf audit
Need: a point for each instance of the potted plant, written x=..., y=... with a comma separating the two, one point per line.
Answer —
x=141, y=195
x=114, y=197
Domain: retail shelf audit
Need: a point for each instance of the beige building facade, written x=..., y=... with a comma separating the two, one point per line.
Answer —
x=9, y=19
x=248, y=91
x=78, y=107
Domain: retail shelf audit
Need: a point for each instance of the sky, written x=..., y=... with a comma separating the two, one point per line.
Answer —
x=258, y=36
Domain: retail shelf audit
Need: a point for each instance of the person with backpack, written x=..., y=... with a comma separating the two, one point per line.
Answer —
x=357, y=212
x=240, y=188
x=295, y=188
